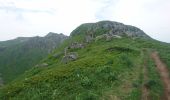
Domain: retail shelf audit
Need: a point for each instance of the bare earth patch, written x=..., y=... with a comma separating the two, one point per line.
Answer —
x=164, y=74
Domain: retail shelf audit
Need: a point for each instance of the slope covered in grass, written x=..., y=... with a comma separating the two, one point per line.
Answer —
x=104, y=70
x=97, y=69
x=21, y=54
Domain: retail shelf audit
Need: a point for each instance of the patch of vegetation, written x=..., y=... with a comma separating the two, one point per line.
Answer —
x=103, y=71
x=154, y=84
x=23, y=53
x=120, y=49
x=90, y=77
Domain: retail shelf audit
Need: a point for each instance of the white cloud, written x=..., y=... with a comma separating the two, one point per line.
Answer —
x=150, y=15
x=38, y=17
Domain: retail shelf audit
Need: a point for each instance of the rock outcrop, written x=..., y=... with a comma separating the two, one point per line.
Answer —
x=107, y=37
x=42, y=65
x=91, y=30
x=72, y=56
x=76, y=45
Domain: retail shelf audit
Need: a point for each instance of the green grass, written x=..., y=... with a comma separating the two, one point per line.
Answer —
x=104, y=70
x=19, y=56
x=154, y=83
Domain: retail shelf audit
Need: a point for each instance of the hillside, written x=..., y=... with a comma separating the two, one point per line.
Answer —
x=22, y=53
x=100, y=61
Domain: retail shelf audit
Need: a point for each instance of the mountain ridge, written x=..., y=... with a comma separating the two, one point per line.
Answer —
x=20, y=54
x=109, y=27
x=94, y=64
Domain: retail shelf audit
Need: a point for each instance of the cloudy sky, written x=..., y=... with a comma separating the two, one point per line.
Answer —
x=38, y=17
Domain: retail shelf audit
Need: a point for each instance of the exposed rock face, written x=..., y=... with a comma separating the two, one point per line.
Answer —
x=42, y=65
x=49, y=42
x=76, y=45
x=88, y=38
x=117, y=36
x=65, y=51
x=70, y=57
x=109, y=27
x=107, y=37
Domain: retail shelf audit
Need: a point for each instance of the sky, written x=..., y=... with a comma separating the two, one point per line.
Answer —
x=38, y=17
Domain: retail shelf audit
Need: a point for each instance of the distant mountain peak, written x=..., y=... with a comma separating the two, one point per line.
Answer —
x=51, y=34
x=26, y=50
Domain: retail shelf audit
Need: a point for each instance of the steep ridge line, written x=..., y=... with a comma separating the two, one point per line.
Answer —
x=164, y=74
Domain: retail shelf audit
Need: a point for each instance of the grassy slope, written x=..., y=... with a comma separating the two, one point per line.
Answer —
x=15, y=60
x=21, y=54
x=99, y=73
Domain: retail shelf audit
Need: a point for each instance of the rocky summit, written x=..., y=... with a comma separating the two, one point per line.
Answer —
x=109, y=27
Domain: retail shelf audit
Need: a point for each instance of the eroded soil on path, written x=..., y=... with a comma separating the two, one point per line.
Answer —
x=164, y=74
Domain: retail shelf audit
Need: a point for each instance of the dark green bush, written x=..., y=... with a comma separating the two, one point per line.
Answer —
x=110, y=62
x=150, y=83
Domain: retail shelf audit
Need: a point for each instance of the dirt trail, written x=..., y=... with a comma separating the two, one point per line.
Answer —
x=164, y=73
x=145, y=91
